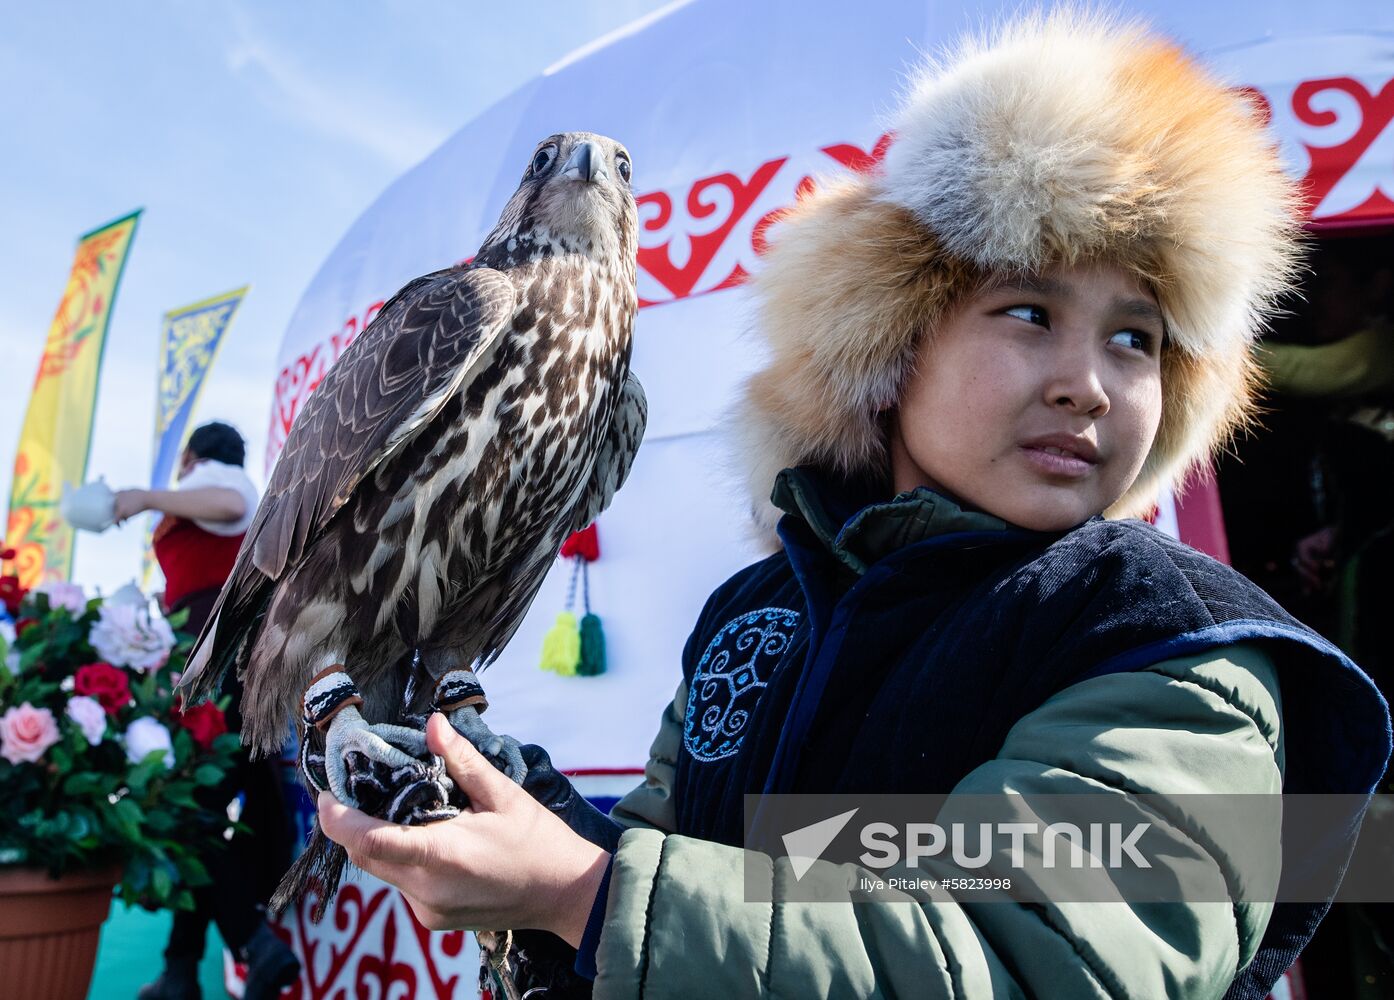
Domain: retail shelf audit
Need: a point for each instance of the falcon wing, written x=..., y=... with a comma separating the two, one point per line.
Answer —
x=617, y=453
x=513, y=593
x=417, y=352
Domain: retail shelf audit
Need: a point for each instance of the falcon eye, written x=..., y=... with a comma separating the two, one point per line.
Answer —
x=622, y=165
x=542, y=159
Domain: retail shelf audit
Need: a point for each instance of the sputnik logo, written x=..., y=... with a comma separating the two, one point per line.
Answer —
x=807, y=844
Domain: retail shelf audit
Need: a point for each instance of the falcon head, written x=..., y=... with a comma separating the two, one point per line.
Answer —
x=574, y=198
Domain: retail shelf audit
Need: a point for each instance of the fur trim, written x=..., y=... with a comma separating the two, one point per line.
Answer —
x=1065, y=138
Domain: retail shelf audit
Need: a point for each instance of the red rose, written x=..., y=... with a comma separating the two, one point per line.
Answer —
x=105, y=683
x=11, y=593
x=204, y=722
x=22, y=625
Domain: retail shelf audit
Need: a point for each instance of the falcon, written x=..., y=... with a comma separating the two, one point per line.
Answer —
x=424, y=491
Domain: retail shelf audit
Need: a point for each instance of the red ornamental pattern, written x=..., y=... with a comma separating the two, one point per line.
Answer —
x=370, y=946
x=708, y=237
x=300, y=378
x=1354, y=116
x=691, y=242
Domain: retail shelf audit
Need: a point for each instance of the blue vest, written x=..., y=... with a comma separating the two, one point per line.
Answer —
x=807, y=676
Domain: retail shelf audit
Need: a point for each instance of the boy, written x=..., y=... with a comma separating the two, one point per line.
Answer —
x=1039, y=311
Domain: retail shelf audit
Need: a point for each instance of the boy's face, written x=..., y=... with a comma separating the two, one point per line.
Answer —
x=1029, y=366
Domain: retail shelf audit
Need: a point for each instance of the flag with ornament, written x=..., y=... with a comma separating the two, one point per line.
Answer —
x=189, y=342
x=57, y=433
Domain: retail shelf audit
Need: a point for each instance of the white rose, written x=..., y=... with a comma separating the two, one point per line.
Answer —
x=62, y=594
x=144, y=736
x=89, y=716
x=129, y=636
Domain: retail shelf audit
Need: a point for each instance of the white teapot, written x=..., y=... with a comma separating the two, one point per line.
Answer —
x=91, y=507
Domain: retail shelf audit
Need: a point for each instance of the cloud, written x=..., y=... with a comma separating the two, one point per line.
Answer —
x=391, y=132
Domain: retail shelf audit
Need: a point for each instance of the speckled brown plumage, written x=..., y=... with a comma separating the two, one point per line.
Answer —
x=425, y=489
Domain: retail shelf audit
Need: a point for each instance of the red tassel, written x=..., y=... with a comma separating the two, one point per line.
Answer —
x=584, y=543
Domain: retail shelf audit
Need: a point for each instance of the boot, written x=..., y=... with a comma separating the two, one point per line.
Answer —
x=178, y=981
x=271, y=965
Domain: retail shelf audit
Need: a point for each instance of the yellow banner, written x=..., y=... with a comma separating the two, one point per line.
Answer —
x=57, y=434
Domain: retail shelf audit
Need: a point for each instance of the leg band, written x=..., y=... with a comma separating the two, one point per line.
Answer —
x=331, y=691
x=459, y=689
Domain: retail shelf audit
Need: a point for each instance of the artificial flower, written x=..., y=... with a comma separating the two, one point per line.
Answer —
x=129, y=636
x=89, y=715
x=65, y=595
x=205, y=723
x=104, y=682
x=11, y=593
x=145, y=736
x=26, y=732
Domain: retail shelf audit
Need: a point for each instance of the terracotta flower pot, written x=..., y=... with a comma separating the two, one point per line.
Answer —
x=49, y=930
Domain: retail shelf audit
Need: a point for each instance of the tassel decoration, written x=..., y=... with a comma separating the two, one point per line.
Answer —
x=592, y=647
x=584, y=544
x=561, y=646
x=570, y=649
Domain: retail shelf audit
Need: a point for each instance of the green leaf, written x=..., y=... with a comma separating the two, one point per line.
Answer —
x=60, y=757
x=181, y=795
x=208, y=774
x=193, y=872
x=161, y=884
x=81, y=784
x=31, y=656
x=142, y=774
x=129, y=816
x=159, y=822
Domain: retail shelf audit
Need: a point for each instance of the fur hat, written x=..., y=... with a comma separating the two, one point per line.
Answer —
x=1064, y=138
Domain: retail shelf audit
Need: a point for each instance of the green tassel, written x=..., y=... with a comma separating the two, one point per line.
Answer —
x=561, y=646
x=592, y=647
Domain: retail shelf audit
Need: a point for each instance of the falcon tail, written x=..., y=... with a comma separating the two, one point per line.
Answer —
x=319, y=867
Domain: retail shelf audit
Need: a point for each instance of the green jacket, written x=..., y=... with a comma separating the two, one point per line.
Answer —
x=677, y=925
x=676, y=922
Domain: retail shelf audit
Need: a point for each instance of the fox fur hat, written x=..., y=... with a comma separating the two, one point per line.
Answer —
x=1061, y=139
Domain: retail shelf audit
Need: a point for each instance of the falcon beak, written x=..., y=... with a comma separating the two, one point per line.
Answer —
x=587, y=163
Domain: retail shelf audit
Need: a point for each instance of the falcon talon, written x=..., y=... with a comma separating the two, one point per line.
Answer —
x=504, y=752
x=349, y=733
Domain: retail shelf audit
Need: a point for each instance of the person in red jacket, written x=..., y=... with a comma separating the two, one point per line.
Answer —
x=196, y=543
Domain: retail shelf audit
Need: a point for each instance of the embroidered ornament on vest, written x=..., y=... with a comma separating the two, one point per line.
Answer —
x=730, y=678
x=571, y=648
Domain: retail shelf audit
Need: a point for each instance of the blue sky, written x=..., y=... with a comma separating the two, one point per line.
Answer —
x=252, y=134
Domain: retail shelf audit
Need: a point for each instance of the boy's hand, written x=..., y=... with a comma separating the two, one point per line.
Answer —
x=506, y=863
